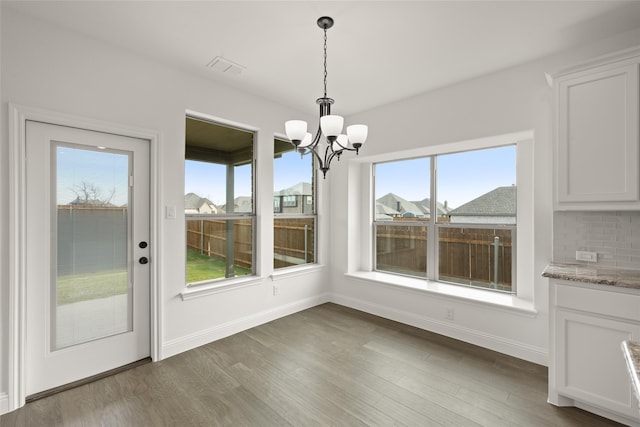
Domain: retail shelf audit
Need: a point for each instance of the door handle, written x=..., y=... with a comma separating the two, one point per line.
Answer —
x=143, y=260
x=142, y=244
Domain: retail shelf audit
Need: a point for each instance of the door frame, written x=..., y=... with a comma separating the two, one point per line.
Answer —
x=18, y=117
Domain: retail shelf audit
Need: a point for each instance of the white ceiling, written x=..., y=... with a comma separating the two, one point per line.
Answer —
x=378, y=51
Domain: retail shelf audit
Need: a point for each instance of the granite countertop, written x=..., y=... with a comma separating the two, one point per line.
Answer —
x=631, y=351
x=611, y=276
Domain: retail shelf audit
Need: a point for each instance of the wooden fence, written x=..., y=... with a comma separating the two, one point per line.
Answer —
x=209, y=237
x=80, y=227
x=464, y=254
x=294, y=240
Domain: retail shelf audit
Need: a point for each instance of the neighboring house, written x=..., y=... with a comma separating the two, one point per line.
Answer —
x=241, y=204
x=295, y=199
x=404, y=208
x=498, y=206
x=423, y=205
x=194, y=204
x=385, y=213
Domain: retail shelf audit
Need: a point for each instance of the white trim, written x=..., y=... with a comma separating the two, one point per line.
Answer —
x=449, y=148
x=4, y=403
x=220, y=121
x=471, y=295
x=517, y=349
x=197, y=291
x=288, y=272
x=235, y=326
x=18, y=116
x=624, y=55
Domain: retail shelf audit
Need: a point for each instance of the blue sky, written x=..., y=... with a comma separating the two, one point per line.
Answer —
x=208, y=179
x=461, y=176
x=107, y=171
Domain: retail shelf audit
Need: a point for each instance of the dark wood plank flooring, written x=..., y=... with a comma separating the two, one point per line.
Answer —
x=326, y=366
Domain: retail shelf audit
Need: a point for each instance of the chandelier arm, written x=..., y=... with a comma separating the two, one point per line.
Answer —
x=317, y=156
x=316, y=139
x=329, y=155
x=331, y=151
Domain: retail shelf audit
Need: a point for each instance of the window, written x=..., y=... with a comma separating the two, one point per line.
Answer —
x=290, y=201
x=461, y=230
x=294, y=225
x=219, y=208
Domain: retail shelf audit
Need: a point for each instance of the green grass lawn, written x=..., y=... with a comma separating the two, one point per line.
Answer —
x=201, y=267
x=84, y=287
x=88, y=286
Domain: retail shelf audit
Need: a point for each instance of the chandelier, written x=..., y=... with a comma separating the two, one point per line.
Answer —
x=330, y=125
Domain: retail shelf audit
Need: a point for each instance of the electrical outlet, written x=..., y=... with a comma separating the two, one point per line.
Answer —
x=449, y=313
x=276, y=290
x=586, y=256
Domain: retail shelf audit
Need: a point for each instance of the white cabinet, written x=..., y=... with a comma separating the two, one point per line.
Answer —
x=597, y=159
x=587, y=367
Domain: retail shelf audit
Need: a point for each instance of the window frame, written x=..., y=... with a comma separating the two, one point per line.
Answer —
x=302, y=203
x=433, y=226
x=223, y=282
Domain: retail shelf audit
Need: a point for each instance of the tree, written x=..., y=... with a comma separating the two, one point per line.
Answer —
x=90, y=194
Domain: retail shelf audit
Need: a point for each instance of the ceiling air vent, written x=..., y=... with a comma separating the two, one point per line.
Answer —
x=223, y=65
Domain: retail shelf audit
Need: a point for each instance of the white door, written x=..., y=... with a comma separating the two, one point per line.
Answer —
x=87, y=271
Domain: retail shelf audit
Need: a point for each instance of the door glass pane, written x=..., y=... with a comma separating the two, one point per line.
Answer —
x=90, y=294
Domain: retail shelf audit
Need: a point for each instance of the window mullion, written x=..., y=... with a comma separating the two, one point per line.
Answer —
x=432, y=246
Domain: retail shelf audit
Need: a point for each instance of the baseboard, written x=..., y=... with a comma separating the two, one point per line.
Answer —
x=512, y=348
x=606, y=414
x=179, y=345
x=4, y=403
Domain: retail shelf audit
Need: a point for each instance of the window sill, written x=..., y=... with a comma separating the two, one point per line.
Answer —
x=197, y=291
x=288, y=272
x=464, y=293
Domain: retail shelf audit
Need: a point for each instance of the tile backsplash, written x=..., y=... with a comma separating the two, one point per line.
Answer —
x=615, y=236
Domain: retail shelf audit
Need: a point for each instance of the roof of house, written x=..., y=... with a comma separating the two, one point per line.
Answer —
x=424, y=204
x=384, y=209
x=498, y=202
x=301, y=188
x=241, y=204
x=193, y=201
x=401, y=205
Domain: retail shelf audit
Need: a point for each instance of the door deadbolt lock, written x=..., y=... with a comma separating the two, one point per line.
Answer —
x=142, y=244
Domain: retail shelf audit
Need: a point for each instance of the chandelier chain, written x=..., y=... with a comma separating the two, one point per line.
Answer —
x=325, y=62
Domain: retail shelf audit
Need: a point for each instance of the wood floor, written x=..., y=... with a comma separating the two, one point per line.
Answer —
x=326, y=366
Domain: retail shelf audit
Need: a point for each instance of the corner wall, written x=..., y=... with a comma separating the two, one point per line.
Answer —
x=513, y=100
x=50, y=68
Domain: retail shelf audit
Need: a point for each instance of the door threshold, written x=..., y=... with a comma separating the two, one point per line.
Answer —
x=93, y=378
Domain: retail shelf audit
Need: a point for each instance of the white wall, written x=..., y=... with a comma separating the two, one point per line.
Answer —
x=513, y=100
x=49, y=68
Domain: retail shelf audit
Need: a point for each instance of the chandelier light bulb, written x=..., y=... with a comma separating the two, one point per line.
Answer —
x=341, y=143
x=296, y=130
x=357, y=134
x=331, y=126
x=306, y=141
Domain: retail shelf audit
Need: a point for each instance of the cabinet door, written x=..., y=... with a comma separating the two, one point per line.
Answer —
x=598, y=155
x=591, y=367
